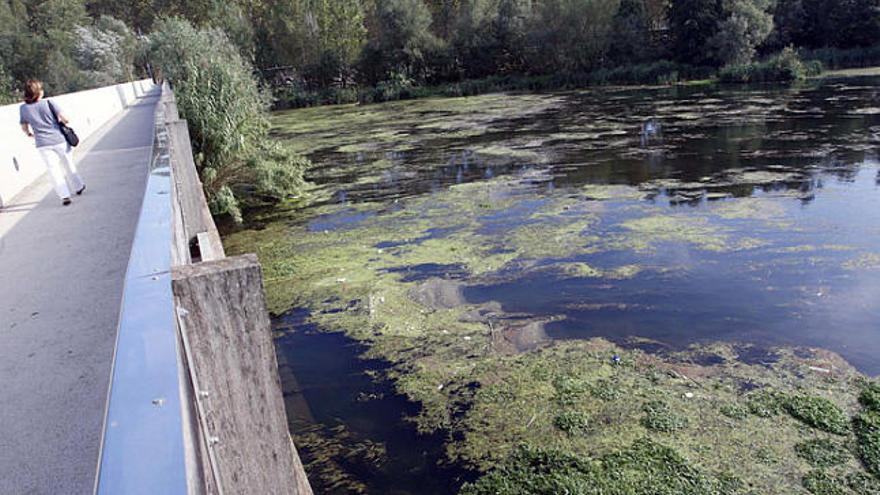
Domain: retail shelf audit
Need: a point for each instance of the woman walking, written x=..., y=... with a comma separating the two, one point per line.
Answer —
x=41, y=120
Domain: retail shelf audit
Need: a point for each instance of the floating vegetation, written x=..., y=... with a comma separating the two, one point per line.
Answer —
x=645, y=468
x=822, y=452
x=818, y=412
x=572, y=422
x=870, y=397
x=734, y=411
x=766, y=403
x=660, y=417
x=558, y=294
x=867, y=428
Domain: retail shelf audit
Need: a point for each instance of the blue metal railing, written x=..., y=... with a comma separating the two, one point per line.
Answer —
x=143, y=450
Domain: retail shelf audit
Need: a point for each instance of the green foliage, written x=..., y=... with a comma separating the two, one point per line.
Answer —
x=734, y=411
x=607, y=390
x=870, y=397
x=867, y=429
x=863, y=484
x=571, y=35
x=820, y=482
x=693, y=24
x=822, y=453
x=7, y=93
x=783, y=67
x=645, y=468
x=660, y=417
x=572, y=422
x=570, y=390
x=630, y=33
x=765, y=403
x=817, y=412
x=105, y=51
x=402, y=43
x=836, y=58
x=225, y=109
x=745, y=24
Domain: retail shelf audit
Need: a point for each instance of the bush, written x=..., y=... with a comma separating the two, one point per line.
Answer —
x=785, y=66
x=226, y=112
x=818, y=412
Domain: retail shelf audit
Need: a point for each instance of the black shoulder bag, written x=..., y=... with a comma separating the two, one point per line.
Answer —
x=69, y=134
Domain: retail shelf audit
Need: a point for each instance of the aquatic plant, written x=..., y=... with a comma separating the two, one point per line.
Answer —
x=606, y=389
x=870, y=396
x=820, y=482
x=867, y=429
x=572, y=422
x=569, y=390
x=644, y=468
x=822, y=452
x=863, y=484
x=766, y=403
x=734, y=411
x=817, y=412
x=660, y=417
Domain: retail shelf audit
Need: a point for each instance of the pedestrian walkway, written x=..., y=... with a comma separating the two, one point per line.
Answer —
x=61, y=278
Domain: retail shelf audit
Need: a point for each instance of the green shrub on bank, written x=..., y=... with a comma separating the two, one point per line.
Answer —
x=399, y=88
x=226, y=111
x=785, y=66
x=836, y=58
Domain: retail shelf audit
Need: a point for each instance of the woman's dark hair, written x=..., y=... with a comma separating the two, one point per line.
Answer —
x=32, y=90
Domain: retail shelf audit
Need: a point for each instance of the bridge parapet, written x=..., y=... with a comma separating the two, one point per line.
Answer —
x=195, y=404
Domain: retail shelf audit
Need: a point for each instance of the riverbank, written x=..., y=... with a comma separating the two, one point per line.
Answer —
x=784, y=67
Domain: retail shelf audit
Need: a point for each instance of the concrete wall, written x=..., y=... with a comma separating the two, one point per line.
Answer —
x=88, y=110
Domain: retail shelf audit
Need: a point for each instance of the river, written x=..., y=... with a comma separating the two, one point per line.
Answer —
x=448, y=241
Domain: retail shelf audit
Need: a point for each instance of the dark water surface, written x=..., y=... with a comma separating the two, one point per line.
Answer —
x=743, y=215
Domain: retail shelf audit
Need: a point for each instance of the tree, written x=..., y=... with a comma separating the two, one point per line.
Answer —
x=402, y=41
x=630, y=34
x=746, y=24
x=105, y=51
x=857, y=24
x=7, y=92
x=571, y=35
x=789, y=22
x=693, y=23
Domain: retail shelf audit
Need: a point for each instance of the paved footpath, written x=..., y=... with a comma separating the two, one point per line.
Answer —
x=61, y=277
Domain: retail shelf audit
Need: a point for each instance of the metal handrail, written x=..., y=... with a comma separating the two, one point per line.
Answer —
x=142, y=449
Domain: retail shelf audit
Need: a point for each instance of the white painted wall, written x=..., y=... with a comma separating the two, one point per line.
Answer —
x=88, y=110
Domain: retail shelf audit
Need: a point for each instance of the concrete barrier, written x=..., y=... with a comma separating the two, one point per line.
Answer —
x=88, y=110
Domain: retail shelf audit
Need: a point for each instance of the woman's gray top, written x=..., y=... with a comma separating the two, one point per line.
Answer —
x=42, y=122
